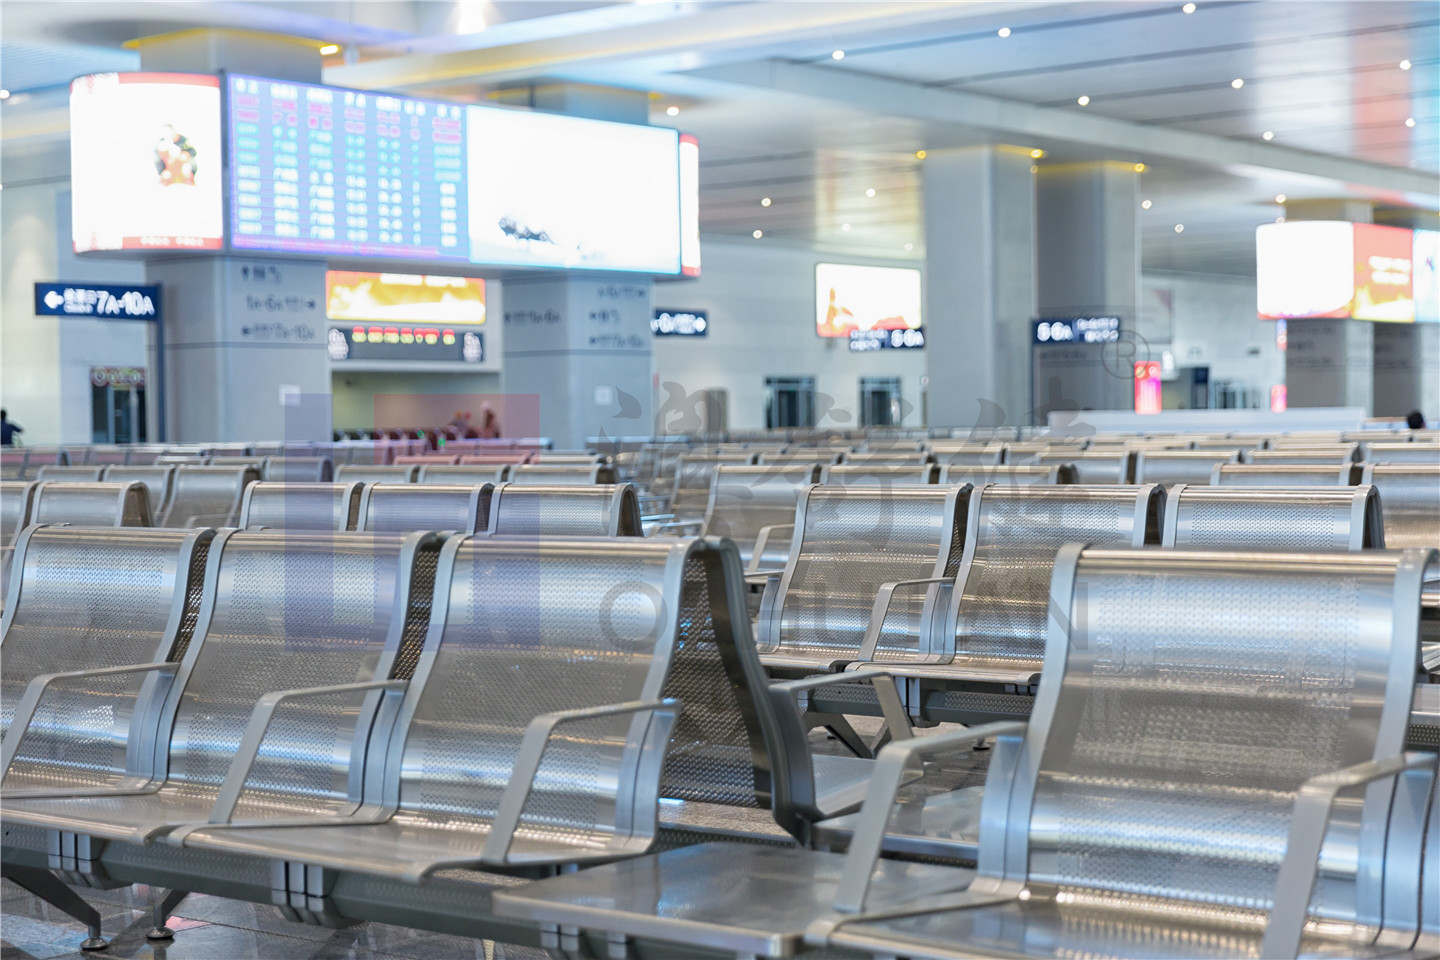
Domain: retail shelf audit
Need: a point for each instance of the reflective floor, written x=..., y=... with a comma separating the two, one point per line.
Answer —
x=210, y=928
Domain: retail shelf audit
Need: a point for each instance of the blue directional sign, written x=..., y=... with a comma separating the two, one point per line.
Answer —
x=98, y=301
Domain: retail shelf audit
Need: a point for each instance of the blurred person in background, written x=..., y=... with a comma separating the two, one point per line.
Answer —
x=8, y=429
x=489, y=423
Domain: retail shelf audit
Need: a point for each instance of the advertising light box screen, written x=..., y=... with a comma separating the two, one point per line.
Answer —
x=1304, y=268
x=145, y=162
x=320, y=170
x=1425, y=251
x=689, y=205
x=553, y=191
x=404, y=297
x=1382, y=274
x=868, y=305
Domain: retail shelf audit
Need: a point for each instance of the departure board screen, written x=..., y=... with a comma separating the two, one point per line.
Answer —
x=337, y=172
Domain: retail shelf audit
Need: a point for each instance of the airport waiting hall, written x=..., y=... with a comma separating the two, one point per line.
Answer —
x=719, y=479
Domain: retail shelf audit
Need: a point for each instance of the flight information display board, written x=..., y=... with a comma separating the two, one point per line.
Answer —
x=334, y=172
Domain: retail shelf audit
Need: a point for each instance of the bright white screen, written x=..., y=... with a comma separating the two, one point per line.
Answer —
x=1427, y=279
x=850, y=298
x=553, y=191
x=1305, y=268
x=689, y=206
x=145, y=162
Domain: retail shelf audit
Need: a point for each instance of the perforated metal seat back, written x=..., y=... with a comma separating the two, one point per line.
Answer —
x=156, y=481
x=1022, y=473
x=1409, y=502
x=977, y=454
x=1003, y=613
x=468, y=474
x=91, y=504
x=1337, y=455
x=1102, y=466
x=90, y=473
x=1180, y=466
x=745, y=499
x=15, y=502
x=608, y=510
x=880, y=476
x=88, y=599
x=1273, y=518
x=301, y=506
x=366, y=473
x=852, y=541
x=718, y=752
x=1199, y=693
x=566, y=474
x=1283, y=475
x=207, y=495
x=298, y=469
x=403, y=507
x=291, y=609
x=896, y=458
x=532, y=627
x=1394, y=452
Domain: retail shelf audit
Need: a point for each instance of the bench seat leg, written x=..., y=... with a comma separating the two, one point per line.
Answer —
x=46, y=886
x=163, y=909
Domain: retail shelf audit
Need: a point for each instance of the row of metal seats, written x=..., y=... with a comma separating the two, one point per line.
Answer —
x=421, y=728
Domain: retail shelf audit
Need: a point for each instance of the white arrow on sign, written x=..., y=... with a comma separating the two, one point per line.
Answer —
x=53, y=299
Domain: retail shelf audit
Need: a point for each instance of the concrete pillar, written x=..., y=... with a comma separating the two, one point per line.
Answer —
x=1406, y=368
x=582, y=343
x=979, y=284
x=1087, y=240
x=1329, y=363
x=245, y=335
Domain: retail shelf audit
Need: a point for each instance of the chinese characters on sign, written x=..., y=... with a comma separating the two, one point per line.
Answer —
x=101, y=301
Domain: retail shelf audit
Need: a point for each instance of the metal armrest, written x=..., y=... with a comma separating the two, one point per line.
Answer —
x=883, y=598
x=762, y=576
x=1295, y=881
x=761, y=540
x=259, y=725
x=890, y=706
x=532, y=751
x=35, y=690
x=885, y=782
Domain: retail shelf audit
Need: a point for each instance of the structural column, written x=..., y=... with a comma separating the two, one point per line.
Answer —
x=979, y=285
x=582, y=342
x=245, y=335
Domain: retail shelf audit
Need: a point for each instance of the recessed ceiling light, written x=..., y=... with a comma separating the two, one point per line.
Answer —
x=672, y=111
x=1037, y=154
x=1003, y=31
x=845, y=227
x=909, y=247
x=764, y=201
x=1188, y=8
x=758, y=234
x=1279, y=198
x=1140, y=168
x=1083, y=101
x=1179, y=228
x=1145, y=204
x=329, y=49
x=1238, y=82
x=870, y=192
x=838, y=55
x=1409, y=121
x=1405, y=64
x=1268, y=135
x=4, y=94
x=919, y=154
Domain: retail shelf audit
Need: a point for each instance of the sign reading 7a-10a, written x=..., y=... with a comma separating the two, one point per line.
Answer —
x=100, y=301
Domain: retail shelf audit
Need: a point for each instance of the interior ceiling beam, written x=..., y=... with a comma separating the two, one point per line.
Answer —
x=1025, y=123
x=687, y=33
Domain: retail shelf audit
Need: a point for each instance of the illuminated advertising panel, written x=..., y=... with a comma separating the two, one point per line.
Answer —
x=1425, y=251
x=146, y=162
x=1147, y=386
x=319, y=170
x=872, y=307
x=555, y=191
x=1304, y=268
x=1382, y=274
x=392, y=297
x=689, y=205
